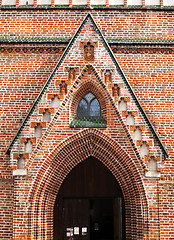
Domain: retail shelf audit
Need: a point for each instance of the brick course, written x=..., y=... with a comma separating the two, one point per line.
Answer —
x=23, y=75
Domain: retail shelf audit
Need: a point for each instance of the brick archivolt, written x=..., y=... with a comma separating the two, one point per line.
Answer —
x=89, y=86
x=64, y=158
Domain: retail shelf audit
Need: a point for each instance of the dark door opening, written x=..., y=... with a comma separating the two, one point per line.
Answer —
x=89, y=205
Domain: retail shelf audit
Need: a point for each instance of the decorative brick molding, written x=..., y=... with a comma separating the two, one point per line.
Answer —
x=61, y=148
x=64, y=158
x=143, y=50
x=140, y=142
x=141, y=127
x=24, y=140
x=85, y=87
x=30, y=50
x=50, y=110
x=126, y=113
x=25, y=155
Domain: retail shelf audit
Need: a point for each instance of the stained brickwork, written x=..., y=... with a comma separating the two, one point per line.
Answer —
x=29, y=200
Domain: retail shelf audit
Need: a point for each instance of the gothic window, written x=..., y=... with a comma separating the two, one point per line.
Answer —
x=89, y=106
x=89, y=113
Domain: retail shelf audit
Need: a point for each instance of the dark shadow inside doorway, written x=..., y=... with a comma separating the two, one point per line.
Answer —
x=89, y=205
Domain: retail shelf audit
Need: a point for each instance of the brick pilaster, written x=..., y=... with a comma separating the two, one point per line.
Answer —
x=162, y=3
x=52, y=3
x=17, y=3
x=70, y=3
x=35, y=3
x=107, y=3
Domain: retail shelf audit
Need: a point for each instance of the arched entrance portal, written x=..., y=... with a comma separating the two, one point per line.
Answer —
x=89, y=204
x=126, y=168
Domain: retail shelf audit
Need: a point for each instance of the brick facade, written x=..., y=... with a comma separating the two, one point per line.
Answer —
x=34, y=71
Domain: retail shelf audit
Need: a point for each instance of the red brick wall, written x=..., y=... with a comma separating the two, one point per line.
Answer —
x=24, y=74
x=22, y=77
x=151, y=77
x=64, y=23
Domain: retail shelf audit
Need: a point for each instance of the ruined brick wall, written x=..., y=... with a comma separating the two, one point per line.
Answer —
x=25, y=69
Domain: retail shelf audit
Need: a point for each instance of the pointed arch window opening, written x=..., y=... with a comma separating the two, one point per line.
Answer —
x=89, y=113
x=89, y=106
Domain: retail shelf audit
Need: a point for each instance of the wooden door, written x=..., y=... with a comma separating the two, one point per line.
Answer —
x=76, y=219
x=83, y=202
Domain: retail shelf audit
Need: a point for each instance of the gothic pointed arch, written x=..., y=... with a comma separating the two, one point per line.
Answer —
x=64, y=158
x=60, y=148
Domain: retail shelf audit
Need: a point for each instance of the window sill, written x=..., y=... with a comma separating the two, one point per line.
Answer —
x=88, y=122
x=20, y=172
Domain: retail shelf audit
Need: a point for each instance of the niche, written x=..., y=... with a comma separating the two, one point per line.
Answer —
x=21, y=162
x=130, y=119
x=55, y=102
x=60, y=2
x=137, y=134
x=28, y=146
x=9, y=2
x=108, y=76
x=144, y=149
x=46, y=116
x=153, y=172
x=43, y=2
x=116, y=2
x=26, y=2
x=134, y=2
x=38, y=131
x=63, y=87
x=98, y=2
x=168, y=3
x=71, y=73
x=122, y=105
x=115, y=90
x=152, y=165
x=152, y=2
x=79, y=2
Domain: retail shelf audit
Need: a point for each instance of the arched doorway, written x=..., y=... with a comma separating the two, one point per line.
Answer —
x=89, y=204
x=60, y=163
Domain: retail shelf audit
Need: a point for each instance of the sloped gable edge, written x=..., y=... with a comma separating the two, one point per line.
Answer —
x=120, y=71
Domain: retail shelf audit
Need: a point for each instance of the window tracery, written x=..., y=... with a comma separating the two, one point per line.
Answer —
x=88, y=112
x=89, y=106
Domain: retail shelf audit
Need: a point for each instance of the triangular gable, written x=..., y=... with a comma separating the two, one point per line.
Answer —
x=89, y=17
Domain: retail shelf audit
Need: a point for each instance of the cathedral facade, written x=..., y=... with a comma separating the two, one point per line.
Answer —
x=87, y=116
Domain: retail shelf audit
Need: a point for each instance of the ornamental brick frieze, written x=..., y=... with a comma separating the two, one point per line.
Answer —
x=126, y=113
x=24, y=155
x=115, y=90
x=89, y=52
x=85, y=42
x=72, y=71
x=126, y=99
x=37, y=49
x=142, y=50
x=50, y=110
x=88, y=47
x=133, y=127
x=24, y=140
x=140, y=142
x=34, y=124
x=54, y=50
